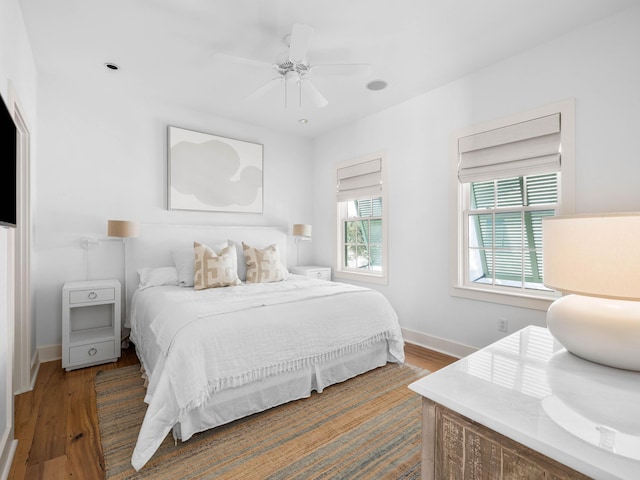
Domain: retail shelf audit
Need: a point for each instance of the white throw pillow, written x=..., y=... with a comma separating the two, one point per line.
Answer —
x=242, y=265
x=155, y=277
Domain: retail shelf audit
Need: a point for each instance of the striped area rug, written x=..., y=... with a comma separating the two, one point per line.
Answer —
x=365, y=428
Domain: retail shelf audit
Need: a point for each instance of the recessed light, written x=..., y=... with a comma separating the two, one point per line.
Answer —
x=303, y=121
x=377, y=85
x=112, y=66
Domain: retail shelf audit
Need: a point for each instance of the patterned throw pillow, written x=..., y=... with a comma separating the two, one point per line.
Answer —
x=263, y=266
x=211, y=270
x=183, y=259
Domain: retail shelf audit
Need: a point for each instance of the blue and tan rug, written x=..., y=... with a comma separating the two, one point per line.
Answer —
x=365, y=428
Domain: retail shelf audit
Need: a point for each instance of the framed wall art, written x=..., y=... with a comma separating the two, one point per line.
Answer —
x=212, y=173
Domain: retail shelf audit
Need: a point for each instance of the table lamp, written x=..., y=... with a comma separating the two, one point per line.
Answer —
x=594, y=260
x=300, y=232
x=123, y=229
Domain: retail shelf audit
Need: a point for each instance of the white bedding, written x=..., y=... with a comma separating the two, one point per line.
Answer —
x=199, y=345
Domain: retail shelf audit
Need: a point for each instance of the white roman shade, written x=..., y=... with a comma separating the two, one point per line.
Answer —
x=360, y=180
x=521, y=149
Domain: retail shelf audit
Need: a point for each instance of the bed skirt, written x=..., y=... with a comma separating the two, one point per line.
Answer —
x=229, y=405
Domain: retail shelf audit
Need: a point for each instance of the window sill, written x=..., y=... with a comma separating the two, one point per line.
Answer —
x=361, y=277
x=515, y=299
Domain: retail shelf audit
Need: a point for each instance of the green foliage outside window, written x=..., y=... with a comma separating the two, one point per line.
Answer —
x=363, y=234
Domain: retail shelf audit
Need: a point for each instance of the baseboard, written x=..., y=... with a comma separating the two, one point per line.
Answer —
x=7, y=452
x=453, y=349
x=48, y=353
x=35, y=368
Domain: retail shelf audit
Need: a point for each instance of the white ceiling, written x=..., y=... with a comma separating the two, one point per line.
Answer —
x=171, y=49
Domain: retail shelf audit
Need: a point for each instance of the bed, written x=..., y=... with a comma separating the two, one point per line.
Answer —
x=212, y=355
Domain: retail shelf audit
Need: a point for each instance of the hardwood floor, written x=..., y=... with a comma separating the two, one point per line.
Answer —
x=56, y=423
x=427, y=359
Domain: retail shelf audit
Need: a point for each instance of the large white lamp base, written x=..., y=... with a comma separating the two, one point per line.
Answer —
x=601, y=330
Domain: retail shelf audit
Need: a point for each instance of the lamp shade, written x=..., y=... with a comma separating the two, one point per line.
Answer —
x=301, y=230
x=122, y=228
x=594, y=255
x=596, y=260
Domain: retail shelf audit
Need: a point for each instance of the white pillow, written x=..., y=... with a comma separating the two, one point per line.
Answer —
x=155, y=277
x=242, y=265
x=184, y=258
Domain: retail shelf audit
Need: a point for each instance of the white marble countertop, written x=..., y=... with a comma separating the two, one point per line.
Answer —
x=529, y=388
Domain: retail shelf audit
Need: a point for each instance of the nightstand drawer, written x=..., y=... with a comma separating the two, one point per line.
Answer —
x=92, y=352
x=92, y=295
x=323, y=273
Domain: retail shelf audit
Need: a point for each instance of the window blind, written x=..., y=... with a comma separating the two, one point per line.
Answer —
x=360, y=180
x=526, y=148
x=510, y=242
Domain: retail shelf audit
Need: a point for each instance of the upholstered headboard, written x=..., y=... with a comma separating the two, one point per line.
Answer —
x=152, y=248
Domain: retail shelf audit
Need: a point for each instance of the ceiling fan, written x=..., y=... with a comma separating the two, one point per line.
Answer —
x=295, y=68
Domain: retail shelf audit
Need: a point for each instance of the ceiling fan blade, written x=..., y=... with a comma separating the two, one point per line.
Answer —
x=313, y=93
x=299, y=42
x=242, y=60
x=270, y=85
x=341, y=69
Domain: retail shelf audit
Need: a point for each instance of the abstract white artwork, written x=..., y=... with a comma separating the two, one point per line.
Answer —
x=212, y=173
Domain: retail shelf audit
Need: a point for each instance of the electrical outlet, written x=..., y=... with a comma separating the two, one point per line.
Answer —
x=503, y=325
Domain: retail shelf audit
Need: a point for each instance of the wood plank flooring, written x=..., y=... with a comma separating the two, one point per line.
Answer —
x=56, y=423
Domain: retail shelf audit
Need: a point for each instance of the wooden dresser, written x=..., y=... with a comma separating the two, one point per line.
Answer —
x=525, y=408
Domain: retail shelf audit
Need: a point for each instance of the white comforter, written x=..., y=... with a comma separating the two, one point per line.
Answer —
x=193, y=344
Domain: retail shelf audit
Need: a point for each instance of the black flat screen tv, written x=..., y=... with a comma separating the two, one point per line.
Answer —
x=8, y=167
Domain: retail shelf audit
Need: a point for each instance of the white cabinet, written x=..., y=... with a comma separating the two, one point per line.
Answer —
x=323, y=273
x=90, y=323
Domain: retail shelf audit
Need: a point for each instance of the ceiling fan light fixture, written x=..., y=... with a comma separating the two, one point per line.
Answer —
x=375, y=85
x=293, y=70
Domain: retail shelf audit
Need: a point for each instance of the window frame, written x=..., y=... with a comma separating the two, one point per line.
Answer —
x=340, y=271
x=459, y=199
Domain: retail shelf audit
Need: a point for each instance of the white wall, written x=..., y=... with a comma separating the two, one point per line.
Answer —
x=597, y=65
x=18, y=70
x=103, y=156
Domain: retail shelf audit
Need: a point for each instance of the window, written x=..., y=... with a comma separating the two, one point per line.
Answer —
x=505, y=230
x=363, y=234
x=506, y=177
x=361, y=220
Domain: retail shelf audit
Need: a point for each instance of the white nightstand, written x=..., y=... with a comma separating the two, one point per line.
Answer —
x=313, y=271
x=90, y=323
